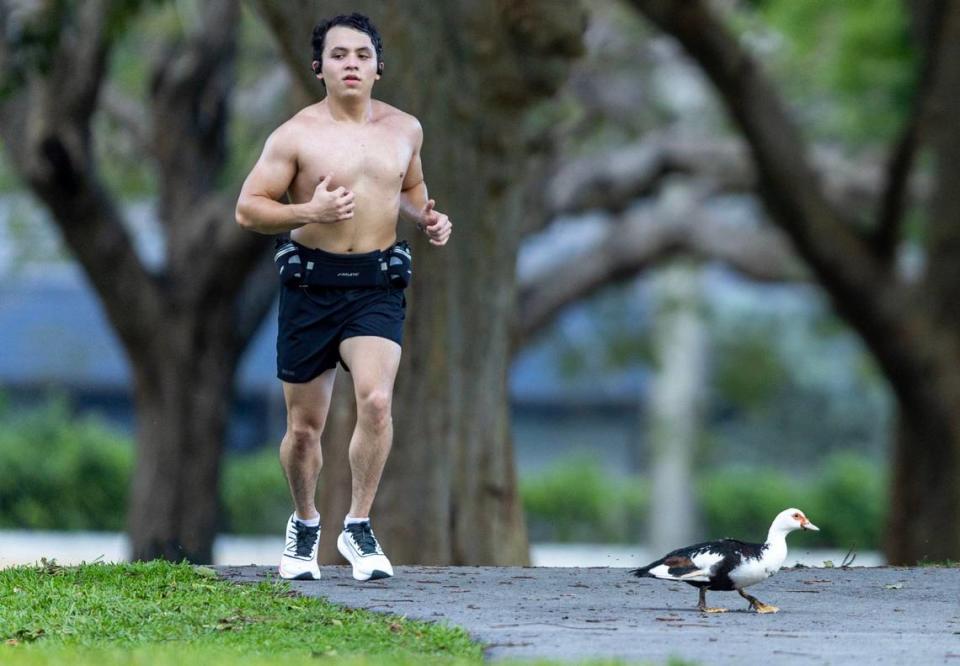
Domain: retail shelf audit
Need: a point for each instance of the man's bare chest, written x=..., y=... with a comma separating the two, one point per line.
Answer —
x=373, y=157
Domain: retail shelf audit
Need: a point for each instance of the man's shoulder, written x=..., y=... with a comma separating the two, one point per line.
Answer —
x=289, y=127
x=394, y=116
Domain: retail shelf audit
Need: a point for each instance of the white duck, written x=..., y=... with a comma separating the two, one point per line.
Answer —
x=729, y=564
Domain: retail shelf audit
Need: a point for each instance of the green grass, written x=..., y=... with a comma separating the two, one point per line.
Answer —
x=162, y=613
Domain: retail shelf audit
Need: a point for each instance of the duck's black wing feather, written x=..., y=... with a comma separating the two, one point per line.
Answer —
x=680, y=561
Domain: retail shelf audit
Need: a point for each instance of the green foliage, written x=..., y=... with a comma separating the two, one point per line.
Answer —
x=255, y=494
x=748, y=367
x=8, y=179
x=61, y=473
x=740, y=503
x=846, y=499
x=575, y=500
x=850, y=65
x=850, y=495
x=132, y=613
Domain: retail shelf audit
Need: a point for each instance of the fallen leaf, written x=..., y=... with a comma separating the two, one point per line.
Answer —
x=395, y=628
x=893, y=586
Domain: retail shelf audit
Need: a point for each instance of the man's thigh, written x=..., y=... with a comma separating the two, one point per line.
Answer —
x=373, y=362
x=308, y=402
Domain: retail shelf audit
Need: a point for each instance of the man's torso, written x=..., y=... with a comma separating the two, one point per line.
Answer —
x=369, y=159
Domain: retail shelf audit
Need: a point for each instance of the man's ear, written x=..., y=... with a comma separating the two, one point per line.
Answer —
x=379, y=69
x=315, y=65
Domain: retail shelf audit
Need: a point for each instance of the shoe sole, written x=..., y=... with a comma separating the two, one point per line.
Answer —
x=376, y=574
x=304, y=575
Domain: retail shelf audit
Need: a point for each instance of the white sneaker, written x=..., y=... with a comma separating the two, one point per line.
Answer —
x=358, y=544
x=299, y=559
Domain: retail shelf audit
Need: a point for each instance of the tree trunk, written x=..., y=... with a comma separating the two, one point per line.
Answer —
x=184, y=326
x=184, y=393
x=676, y=408
x=925, y=511
x=925, y=496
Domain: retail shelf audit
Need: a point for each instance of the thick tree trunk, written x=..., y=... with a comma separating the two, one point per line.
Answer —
x=453, y=460
x=925, y=511
x=184, y=393
x=925, y=496
x=184, y=326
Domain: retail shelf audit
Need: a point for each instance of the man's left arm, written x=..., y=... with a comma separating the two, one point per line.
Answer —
x=416, y=206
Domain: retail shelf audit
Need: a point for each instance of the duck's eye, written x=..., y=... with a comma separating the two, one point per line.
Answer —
x=797, y=516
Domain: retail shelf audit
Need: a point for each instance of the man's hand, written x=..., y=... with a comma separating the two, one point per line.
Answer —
x=328, y=206
x=435, y=224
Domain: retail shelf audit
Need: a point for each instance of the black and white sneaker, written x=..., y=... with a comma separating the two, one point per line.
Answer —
x=358, y=544
x=299, y=559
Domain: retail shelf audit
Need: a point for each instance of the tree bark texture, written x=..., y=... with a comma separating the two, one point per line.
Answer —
x=912, y=329
x=183, y=327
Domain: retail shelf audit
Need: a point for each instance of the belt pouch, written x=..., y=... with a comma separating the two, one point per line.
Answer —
x=323, y=269
x=287, y=259
x=399, y=265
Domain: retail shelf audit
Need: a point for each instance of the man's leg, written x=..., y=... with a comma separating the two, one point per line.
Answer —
x=301, y=458
x=373, y=362
x=300, y=453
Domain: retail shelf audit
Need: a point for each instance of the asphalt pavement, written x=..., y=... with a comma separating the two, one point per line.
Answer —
x=874, y=615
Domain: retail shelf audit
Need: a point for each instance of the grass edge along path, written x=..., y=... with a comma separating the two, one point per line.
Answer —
x=163, y=613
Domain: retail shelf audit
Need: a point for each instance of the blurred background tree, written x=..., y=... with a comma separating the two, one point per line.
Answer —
x=908, y=319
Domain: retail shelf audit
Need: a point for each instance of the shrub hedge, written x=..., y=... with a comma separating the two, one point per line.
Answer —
x=58, y=472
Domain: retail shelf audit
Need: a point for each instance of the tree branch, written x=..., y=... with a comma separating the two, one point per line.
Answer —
x=842, y=261
x=290, y=22
x=45, y=122
x=189, y=90
x=614, y=180
x=889, y=219
x=128, y=113
x=641, y=240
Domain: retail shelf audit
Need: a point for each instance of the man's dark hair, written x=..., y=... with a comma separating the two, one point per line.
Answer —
x=355, y=21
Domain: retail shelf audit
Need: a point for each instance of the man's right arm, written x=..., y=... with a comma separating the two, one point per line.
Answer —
x=259, y=207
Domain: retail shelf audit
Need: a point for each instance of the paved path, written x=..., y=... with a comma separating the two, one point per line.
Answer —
x=880, y=615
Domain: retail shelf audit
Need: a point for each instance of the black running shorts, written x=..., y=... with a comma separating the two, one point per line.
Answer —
x=313, y=321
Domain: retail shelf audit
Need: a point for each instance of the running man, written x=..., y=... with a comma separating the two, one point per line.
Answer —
x=349, y=167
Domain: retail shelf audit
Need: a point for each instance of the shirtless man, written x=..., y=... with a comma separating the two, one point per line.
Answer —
x=349, y=166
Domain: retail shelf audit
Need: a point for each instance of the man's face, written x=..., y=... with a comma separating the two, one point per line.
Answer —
x=349, y=65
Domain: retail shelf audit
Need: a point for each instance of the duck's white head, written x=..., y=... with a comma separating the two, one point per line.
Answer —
x=789, y=520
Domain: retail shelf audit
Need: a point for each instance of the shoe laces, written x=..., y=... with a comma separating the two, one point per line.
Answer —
x=306, y=537
x=362, y=535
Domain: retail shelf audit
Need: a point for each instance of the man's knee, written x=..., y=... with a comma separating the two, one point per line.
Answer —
x=304, y=436
x=374, y=406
